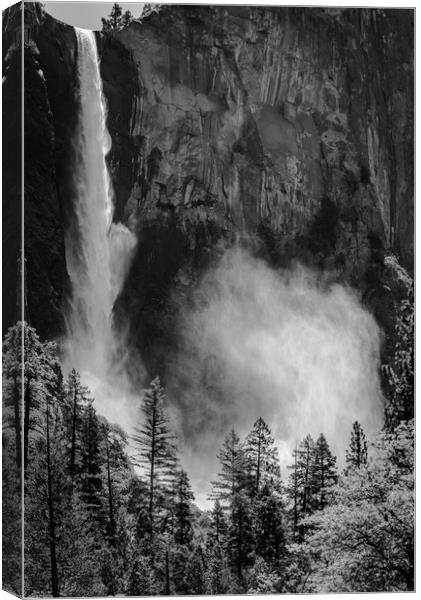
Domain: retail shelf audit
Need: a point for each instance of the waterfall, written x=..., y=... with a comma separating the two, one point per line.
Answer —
x=98, y=251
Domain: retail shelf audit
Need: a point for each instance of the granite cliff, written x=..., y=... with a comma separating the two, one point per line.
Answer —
x=289, y=131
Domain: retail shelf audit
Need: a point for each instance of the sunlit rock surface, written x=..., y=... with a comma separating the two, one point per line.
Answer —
x=287, y=129
x=290, y=129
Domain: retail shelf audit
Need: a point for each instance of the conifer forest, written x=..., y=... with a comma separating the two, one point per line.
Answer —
x=208, y=332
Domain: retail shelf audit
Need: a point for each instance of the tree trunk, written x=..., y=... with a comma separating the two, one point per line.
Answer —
x=110, y=497
x=322, y=481
x=258, y=464
x=16, y=405
x=152, y=473
x=27, y=402
x=90, y=457
x=167, y=573
x=240, y=544
x=52, y=533
x=73, y=447
x=295, y=494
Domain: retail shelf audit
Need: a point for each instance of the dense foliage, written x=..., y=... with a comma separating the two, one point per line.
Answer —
x=98, y=522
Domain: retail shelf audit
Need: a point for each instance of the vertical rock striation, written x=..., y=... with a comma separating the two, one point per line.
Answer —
x=289, y=130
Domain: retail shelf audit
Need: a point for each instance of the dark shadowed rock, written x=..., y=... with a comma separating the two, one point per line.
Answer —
x=288, y=130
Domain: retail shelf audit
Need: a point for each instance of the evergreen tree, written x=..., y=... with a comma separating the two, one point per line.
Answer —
x=126, y=18
x=268, y=526
x=232, y=477
x=240, y=542
x=215, y=576
x=12, y=384
x=356, y=455
x=76, y=402
x=324, y=472
x=218, y=526
x=116, y=19
x=155, y=451
x=262, y=457
x=183, y=530
x=91, y=459
x=60, y=543
x=12, y=387
x=261, y=579
x=116, y=473
x=195, y=572
x=301, y=482
x=39, y=368
x=50, y=501
x=142, y=580
x=364, y=540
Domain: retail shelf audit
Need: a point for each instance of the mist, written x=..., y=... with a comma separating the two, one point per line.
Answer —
x=284, y=345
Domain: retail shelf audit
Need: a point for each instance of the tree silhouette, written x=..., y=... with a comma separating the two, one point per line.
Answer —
x=155, y=449
x=356, y=455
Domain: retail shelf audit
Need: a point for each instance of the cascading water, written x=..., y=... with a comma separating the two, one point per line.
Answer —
x=98, y=251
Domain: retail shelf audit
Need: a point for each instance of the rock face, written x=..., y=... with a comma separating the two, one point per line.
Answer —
x=49, y=120
x=288, y=130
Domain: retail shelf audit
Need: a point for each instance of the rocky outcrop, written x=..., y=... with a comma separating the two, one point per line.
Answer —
x=49, y=122
x=11, y=169
x=289, y=129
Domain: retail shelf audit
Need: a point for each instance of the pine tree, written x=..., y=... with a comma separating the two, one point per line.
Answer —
x=12, y=387
x=194, y=579
x=116, y=19
x=126, y=19
x=51, y=512
x=268, y=526
x=216, y=573
x=39, y=368
x=216, y=540
x=142, y=580
x=12, y=459
x=364, y=540
x=300, y=488
x=114, y=470
x=356, y=456
x=240, y=542
x=76, y=402
x=232, y=477
x=261, y=579
x=324, y=472
x=46, y=492
x=116, y=476
x=262, y=456
x=91, y=459
x=183, y=530
x=155, y=450
x=218, y=526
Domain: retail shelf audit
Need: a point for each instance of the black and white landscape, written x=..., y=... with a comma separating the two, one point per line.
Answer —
x=208, y=333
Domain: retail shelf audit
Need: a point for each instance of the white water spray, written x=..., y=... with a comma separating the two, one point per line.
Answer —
x=98, y=251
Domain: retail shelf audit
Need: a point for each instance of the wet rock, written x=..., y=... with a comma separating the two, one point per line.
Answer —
x=288, y=128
